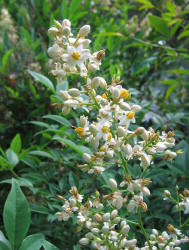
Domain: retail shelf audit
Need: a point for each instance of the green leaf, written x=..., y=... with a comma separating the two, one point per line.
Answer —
x=58, y=119
x=62, y=86
x=74, y=5
x=159, y=25
x=16, y=216
x=16, y=144
x=12, y=157
x=184, y=34
x=179, y=71
x=3, y=246
x=4, y=243
x=40, y=124
x=42, y=79
x=34, y=241
x=48, y=246
x=5, y=60
x=41, y=153
x=145, y=4
x=68, y=143
x=64, y=9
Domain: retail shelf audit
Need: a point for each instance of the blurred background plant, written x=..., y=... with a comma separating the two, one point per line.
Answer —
x=146, y=44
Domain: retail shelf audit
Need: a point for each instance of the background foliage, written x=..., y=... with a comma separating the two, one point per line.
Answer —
x=146, y=44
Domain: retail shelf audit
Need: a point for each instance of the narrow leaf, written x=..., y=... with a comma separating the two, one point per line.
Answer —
x=42, y=79
x=68, y=143
x=12, y=157
x=41, y=153
x=16, y=144
x=16, y=216
x=159, y=25
x=58, y=119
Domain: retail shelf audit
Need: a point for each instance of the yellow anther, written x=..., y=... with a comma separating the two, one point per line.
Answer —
x=103, y=149
x=104, y=96
x=109, y=136
x=79, y=131
x=130, y=115
x=105, y=129
x=125, y=94
x=76, y=55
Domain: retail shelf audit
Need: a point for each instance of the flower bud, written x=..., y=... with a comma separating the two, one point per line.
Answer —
x=53, y=31
x=89, y=236
x=83, y=120
x=130, y=243
x=125, y=106
x=115, y=93
x=128, y=149
x=160, y=146
x=58, y=25
x=86, y=157
x=136, y=108
x=97, y=217
x=125, y=229
x=145, y=191
x=116, y=220
x=74, y=92
x=64, y=94
x=95, y=230
x=69, y=103
x=139, y=131
x=123, y=223
x=84, y=31
x=106, y=227
x=155, y=232
x=66, y=22
x=65, y=110
x=66, y=31
x=92, y=128
x=167, y=193
x=54, y=51
x=113, y=183
x=95, y=82
x=106, y=217
x=114, y=213
x=121, y=131
x=103, y=83
x=84, y=241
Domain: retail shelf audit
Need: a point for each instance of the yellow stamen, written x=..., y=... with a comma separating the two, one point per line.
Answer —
x=105, y=129
x=104, y=96
x=125, y=94
x=79, y=131
x=76, y=55
x=109, y=136
x=103, y=149
x=130, y=115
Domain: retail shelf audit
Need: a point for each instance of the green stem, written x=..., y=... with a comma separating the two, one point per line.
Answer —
x=142, y=229
x=94, y=99
x=15, y=175
x=124, y=162
x=167, y=243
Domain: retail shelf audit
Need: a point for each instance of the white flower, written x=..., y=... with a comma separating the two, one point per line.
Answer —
x=76, y=57
x=185, y=204
x=117, y=200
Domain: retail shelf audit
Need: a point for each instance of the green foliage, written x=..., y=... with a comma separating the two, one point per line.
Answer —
x=146, y=44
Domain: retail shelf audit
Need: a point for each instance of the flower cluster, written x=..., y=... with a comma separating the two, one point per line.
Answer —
x=107, y=230
x=6, y=23
x=114, y=140
x=70, y=55
x=184, y=199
